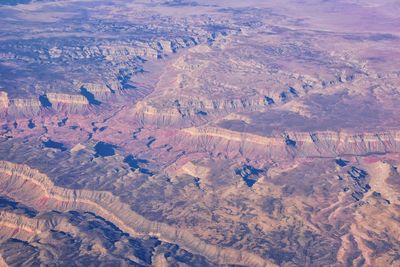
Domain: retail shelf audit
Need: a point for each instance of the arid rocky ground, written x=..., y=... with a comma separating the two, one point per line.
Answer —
x=200, y=133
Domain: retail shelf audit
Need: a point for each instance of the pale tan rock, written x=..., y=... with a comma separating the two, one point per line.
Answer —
x=3, y=100
x=16, y=180
x=57, y=98
x=24, y=107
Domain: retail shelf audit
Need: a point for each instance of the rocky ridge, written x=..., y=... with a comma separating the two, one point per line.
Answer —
x=17, y=179
x=295, y=144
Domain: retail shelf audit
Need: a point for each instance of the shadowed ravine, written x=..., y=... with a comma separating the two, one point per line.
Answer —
x=18, y=180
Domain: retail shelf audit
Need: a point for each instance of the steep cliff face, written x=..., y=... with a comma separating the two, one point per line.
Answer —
x=80, y=237
x=17, y=180
x=294, y=144
x=123, y=51
x=149, y=50
x=99, y=91
x=66, y=102
x=57, y=98
x=3, y=100
x=19, y=108
x=26, y=228
x=185, y=112
x=24, y=107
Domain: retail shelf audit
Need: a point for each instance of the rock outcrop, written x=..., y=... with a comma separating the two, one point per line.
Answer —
x=26, y=228
x=294, y=144
x=67, y=102
x=99, y=91
x=3, y=100
x=24, y=107
x=184, y=112
x=17, y=180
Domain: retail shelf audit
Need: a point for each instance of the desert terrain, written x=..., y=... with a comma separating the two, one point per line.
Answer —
x=200, y=133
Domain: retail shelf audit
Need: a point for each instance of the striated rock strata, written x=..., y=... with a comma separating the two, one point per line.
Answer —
x=17, y=180
x=299, y=144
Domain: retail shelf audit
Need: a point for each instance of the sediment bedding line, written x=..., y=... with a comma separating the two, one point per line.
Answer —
x=303, y=144
x=18, y=226
x=32, y=226
x=232, y=135
x=23, y=183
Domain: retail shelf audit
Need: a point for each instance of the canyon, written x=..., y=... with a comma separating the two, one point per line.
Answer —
x=199, y=133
